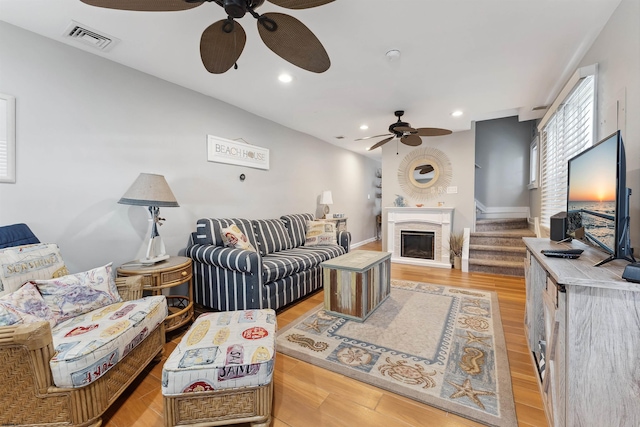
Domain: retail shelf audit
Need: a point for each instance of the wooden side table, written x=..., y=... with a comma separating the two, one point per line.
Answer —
x=166, y=274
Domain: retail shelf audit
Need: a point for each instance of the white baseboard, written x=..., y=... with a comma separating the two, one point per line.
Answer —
x=364, y=242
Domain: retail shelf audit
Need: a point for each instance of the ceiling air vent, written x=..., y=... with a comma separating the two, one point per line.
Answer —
x=90, y=37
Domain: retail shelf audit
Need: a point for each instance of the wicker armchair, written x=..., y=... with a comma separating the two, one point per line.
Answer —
x=28, y=395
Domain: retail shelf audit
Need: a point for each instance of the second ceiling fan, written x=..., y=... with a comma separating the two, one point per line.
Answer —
x=407, y=134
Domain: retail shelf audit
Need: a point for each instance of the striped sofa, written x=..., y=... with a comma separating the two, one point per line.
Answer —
x=280, y=271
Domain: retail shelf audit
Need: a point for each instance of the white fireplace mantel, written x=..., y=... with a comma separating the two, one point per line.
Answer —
x=437, y=219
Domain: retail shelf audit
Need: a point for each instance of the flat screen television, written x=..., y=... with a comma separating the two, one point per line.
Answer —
x=598, y=198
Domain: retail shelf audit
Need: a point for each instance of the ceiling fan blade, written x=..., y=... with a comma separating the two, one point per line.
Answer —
x=293, y=41
x=433, y=132
x=405, y=129
x=144, y=5
x=381, y=143
x=221, y=45
x=412, y=140
x=369, y=137
x=300, y=4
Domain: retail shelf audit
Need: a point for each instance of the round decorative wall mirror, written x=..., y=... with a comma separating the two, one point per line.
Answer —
x=423, y=172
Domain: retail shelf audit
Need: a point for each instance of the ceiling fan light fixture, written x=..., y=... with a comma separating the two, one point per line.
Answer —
x=364, y=127
x=235, y=8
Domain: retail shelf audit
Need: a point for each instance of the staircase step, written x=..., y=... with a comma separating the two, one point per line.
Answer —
x=507, y=268
x=501, y=224
x=505, y=253
x=500, y=238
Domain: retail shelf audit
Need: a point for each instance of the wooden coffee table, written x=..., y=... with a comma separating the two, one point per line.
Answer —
x=355, y=284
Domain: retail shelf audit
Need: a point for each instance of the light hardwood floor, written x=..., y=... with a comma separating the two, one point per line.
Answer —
x=307, y=396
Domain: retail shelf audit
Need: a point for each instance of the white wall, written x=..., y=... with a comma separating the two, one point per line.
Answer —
x=459, y=148
x=86, y=127
x=502, y=152
x=617, y=52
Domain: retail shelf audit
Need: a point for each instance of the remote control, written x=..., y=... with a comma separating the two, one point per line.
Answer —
x=562, y=253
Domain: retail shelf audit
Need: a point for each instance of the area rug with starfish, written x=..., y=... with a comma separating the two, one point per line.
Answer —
x=439, y=345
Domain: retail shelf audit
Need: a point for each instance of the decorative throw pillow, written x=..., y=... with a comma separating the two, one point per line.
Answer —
x=25, y=305
x=320, y=233
x=234, y=238
x=21, y=264
x=79, y=293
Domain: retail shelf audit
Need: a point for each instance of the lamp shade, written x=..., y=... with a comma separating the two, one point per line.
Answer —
x=326, y=198
x=149, y=190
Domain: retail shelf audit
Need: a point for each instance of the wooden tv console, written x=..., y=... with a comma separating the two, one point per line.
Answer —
x=589, y=318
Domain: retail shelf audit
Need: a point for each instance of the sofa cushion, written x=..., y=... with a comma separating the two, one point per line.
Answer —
x=20, y=264
x=297, y=227
x=79, y=293
x=285, y=263
x=90, y=344
x=25, y=305
x=16, y=235
x=234, y=238
x=320, y=233
x=271, y=235
x=223, y=350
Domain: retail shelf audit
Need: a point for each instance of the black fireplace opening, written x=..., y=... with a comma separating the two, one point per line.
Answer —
x=417, y=244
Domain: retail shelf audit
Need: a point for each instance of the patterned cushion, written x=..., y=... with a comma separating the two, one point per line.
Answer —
x=223, y=350
x=79, y=293
x=25, y=305
x=320, y=233
x=296, y=227
x=20, y=264
x=234, y=238
x=88, y=345
x=208, y=230
x=272, y=236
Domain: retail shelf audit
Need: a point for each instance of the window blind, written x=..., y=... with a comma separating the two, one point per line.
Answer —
x=568, y=132
x=7, y=138
x=4, y=159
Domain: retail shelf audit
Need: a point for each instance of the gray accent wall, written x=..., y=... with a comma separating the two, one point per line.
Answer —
x=502, y=157
x=86, y=127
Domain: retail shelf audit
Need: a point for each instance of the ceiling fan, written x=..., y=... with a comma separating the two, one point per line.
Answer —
x=223, y=41
x=406, y=133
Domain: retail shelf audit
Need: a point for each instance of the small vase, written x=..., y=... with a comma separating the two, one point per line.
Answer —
x=457, y=262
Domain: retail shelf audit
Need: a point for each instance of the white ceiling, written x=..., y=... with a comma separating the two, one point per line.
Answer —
x=488, y=58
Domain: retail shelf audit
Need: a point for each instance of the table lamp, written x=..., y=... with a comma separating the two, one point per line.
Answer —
x=153, y=191
x=326, y=200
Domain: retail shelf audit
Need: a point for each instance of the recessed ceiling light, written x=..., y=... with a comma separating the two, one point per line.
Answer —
x=456, y=113
x=285, y=78
x=364, y=127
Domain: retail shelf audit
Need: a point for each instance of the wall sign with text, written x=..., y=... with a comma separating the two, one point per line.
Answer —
x=222, y=150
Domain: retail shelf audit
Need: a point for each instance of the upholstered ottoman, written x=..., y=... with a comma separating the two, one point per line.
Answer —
x=221, y=372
